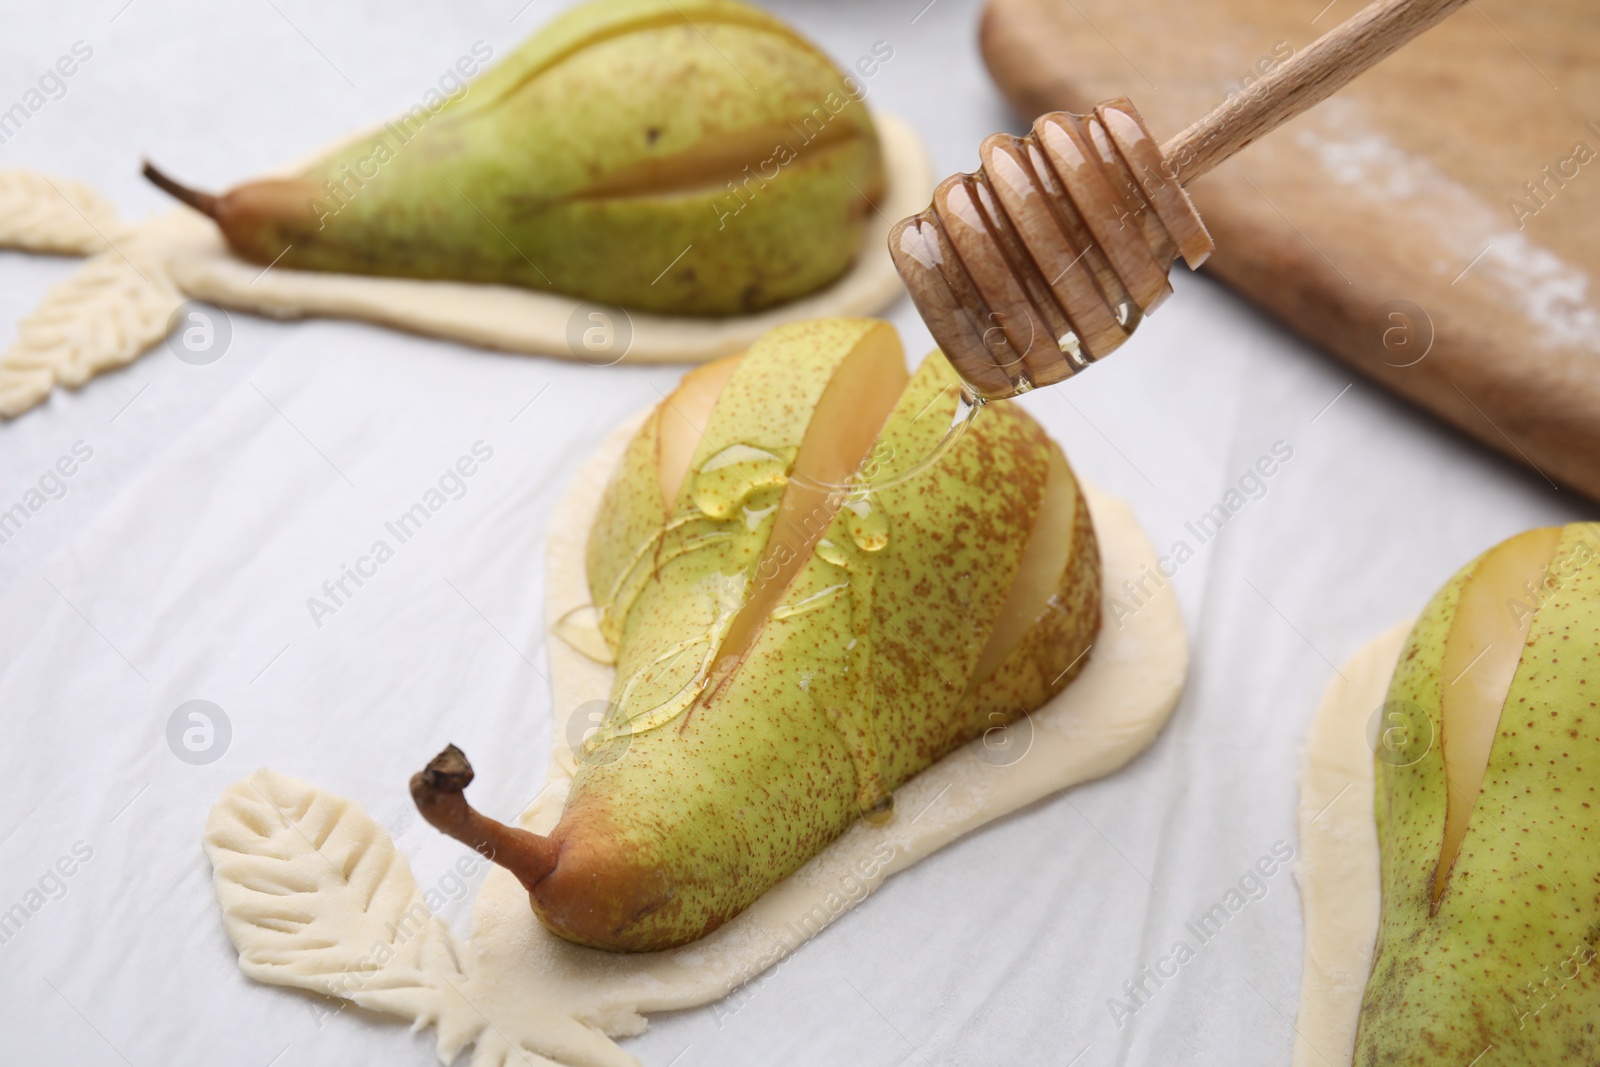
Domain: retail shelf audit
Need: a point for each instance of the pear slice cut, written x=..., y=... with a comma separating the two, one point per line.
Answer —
x=1050, y=544
x=1480, y=660
x=843, y=429
x=684, y=416
x=712, y=168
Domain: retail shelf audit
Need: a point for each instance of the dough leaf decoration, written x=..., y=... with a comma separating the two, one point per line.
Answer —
x=315, y=896
x=40, y=213
x=117, y=306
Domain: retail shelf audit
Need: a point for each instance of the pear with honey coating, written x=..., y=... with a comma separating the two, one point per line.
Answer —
x=817, y=618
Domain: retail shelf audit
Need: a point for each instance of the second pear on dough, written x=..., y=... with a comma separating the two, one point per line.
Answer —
x=694, y=157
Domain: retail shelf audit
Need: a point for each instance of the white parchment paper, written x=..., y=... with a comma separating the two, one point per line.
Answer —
x=177, y=563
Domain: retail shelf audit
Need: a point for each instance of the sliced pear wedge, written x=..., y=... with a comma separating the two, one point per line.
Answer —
x=1481, y=654
x=1039, y=574
x=844, y=428
x=683, y=418
x=1047, y=626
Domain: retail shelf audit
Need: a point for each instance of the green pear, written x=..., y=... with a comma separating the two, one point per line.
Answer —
x=1491, y=887
x=678, y=156
x=838, y=576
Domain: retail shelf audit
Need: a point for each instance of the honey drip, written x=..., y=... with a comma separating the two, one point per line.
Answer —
x=868, y=481
x=580, y=628
x=701, y=650
x=726, y=491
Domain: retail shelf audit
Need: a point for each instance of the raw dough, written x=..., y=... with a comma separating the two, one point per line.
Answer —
x=315, y=896
x=85, y=326
x=1338, y=872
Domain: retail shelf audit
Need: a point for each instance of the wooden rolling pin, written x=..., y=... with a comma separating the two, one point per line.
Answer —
x=1047, y=258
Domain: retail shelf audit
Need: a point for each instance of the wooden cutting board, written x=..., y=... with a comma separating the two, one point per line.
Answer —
x=1391, y=224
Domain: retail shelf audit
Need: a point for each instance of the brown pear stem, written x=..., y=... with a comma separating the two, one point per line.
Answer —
x=204, y=203
x=438, y=790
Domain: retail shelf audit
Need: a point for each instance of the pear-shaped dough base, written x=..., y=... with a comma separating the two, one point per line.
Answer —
x=312, y=887
x=121, y=304
x=1338, y=871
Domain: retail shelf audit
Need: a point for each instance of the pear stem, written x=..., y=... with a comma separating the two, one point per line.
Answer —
x=204, y=203
x=438, y=791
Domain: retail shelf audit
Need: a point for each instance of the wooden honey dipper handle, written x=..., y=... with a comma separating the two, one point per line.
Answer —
x=1048, y=257
x=1332, y=61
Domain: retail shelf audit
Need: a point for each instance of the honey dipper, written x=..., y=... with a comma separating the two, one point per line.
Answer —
x=1048, y=258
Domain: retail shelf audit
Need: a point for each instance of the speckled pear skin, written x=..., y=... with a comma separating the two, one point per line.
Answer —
x=922, y=607
x=1055, y=649
x=674, y=589
x=1505, y=972
x=591, y=159
x=859, y=687
x=630, y=514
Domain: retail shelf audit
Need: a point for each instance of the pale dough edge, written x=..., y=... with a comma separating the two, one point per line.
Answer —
x=1338, y=869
